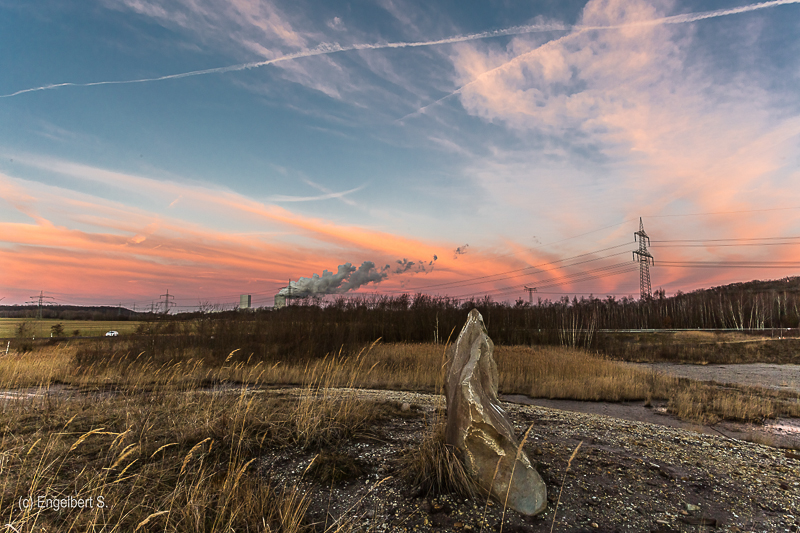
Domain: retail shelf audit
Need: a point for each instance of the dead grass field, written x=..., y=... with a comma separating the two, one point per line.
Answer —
x=167, y=452
x=539, y=372
x=166, y=460
x=700, y=347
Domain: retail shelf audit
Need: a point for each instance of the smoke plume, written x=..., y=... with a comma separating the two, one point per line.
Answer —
x=348, y=278
x=404, y=265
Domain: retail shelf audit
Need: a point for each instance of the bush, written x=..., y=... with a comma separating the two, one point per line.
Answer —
x=24, y=330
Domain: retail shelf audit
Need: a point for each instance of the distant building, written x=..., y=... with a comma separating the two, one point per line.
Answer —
x=245, y=301
x=280, y=301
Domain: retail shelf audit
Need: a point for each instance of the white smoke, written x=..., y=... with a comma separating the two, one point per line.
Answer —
x=348, y=278
x=404, y=265
x=332, y=48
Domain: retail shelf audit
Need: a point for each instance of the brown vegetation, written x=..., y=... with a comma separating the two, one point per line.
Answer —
x=172, y=443
x=539, y=372
x=701, y=347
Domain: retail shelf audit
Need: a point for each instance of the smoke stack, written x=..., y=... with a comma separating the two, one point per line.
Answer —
x=347, y=278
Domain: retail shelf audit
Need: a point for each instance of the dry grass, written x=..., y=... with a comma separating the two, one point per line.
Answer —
x=721, y=347
x=435, y=467
x=542, y=372
x=168, y=460
x=169, y=453
x=178, y=464
x=704, y=403
x=577, y=375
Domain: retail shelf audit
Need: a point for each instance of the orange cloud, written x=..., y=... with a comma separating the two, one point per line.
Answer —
x=101, y=248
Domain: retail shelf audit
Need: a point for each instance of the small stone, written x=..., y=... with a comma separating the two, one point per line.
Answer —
x=458, y=525
x=595, y=525
x=691, y=507
x=405, y=407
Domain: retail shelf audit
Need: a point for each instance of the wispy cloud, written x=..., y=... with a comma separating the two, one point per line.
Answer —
x=322, y=49
x=579, y=29
x=327, y=196
x=290, y=36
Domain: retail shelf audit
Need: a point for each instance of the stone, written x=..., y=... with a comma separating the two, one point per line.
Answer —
x=479, y=428
x=405, y=406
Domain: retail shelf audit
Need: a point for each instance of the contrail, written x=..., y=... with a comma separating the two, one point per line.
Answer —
x=325, y=48
x=578, y=29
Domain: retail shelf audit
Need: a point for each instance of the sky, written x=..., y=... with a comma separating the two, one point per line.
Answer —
x=217, y=148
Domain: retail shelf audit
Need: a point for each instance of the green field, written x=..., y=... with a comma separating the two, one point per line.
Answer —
x=86, y=328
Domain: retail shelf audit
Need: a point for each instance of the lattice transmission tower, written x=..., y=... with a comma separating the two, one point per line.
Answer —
x=42, y=299
x=645, y=260
x=167, y=303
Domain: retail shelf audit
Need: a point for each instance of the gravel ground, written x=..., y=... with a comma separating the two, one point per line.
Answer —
x=627, y=476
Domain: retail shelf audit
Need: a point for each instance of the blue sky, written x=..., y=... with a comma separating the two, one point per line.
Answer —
x=393, y=131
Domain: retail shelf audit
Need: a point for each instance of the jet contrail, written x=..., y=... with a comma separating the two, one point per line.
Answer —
x=325, y=48
x=322, y=49
x=578, y=29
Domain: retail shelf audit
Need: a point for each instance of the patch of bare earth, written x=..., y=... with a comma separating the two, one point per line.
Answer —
x=627, y=476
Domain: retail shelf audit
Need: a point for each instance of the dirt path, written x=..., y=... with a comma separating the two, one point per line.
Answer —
x=781, y=432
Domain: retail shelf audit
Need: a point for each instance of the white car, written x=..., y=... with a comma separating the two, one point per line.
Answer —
x=112, y=334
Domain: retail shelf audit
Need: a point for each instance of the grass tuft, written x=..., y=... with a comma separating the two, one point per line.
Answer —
x=435, y=467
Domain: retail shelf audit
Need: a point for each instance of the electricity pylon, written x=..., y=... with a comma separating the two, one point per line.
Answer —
x=645, y=260
x=41, y=297
x=530, y=290
x=167, y=303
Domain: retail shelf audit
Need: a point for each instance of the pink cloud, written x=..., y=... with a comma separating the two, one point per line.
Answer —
x=94, y=246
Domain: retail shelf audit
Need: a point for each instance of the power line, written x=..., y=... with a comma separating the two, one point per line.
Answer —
x=577, y=277
x=730, y=240
x=555, y=242
x=732, y=264
x=725, y=212
x=534, y=268
x=722, y=245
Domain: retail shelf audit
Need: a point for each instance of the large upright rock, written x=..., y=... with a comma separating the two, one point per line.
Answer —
x=480, y=429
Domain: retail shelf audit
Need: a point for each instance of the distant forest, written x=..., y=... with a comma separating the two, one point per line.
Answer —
x=424, y=318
